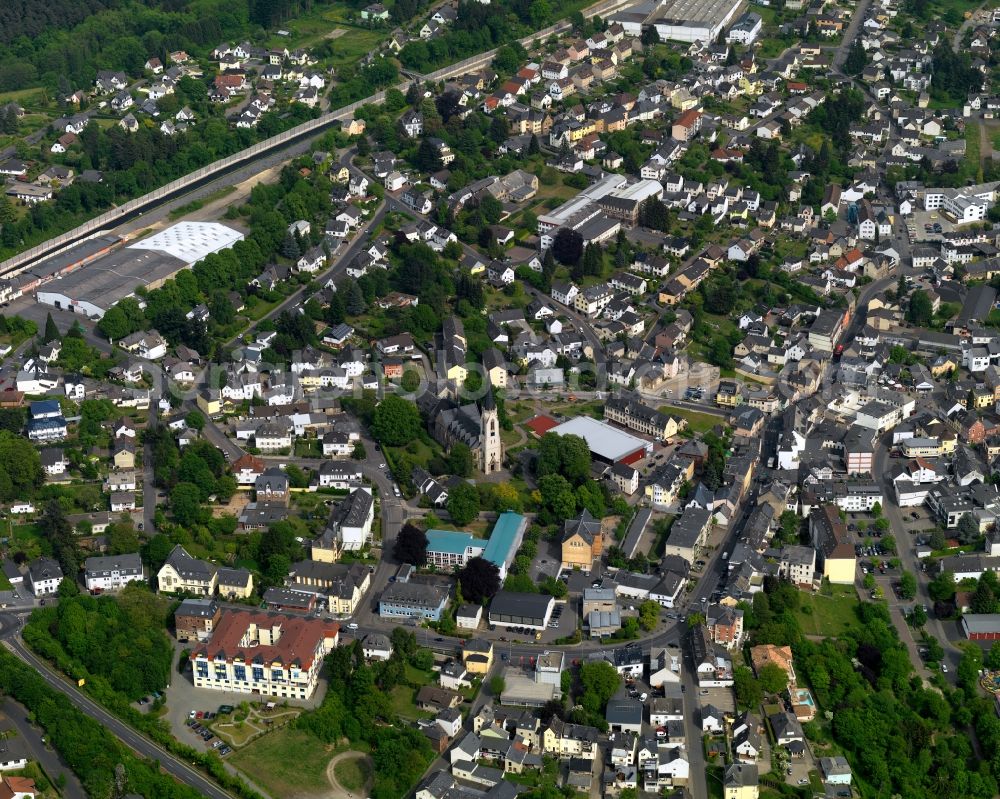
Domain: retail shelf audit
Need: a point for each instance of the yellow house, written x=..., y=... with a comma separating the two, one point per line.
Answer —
x=477, y=656
x=586, y=128
x=833, y=544
x=341, y=175
x=582, y=542
x=325, y=549
x=563, y=739
x=498, y=376
x=751, y=86
x=209, y=401
x=948, y=441
x=741, y=781
x=983, y=397
x=458, y=373
x=235, y=583
x=683, y=100
x=943, y=366
x=124, y=458
x=729, y=394
x=346, y=604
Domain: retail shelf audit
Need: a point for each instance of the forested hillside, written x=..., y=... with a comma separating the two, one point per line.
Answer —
x=62, y=43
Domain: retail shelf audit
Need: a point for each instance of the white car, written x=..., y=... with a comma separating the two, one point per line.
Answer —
x=381, y=466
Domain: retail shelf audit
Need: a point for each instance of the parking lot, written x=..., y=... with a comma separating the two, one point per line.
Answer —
x=722, y=698
x=183, y=698
x=196, y=724
x=928, y=225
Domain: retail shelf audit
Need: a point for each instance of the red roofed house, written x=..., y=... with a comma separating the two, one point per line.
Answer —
x=17, y=788
x=231, y=82
x=686, y=125
x=268, y=654
x=850, y=261
x=725, y=155
x=247, y=468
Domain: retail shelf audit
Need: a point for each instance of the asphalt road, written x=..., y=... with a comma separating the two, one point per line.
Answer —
x=947, y=633
x=38, y=750
x=10, y=637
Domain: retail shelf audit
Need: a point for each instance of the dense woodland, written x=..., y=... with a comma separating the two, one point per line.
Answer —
x=70, y=40
x=120, y=639
x=104, y=765
x=479, y=28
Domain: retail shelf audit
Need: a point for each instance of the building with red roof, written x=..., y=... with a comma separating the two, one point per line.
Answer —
x=269, y=654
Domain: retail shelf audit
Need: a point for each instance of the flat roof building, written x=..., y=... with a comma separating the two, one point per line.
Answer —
x=98, y=283
x=515, y=609
x=679, y=20
x=606, y=443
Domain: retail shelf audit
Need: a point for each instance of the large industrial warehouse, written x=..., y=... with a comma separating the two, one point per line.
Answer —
x=679, y=20
x=91, y=289
x=606, y=443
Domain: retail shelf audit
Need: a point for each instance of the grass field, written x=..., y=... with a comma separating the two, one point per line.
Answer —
x=287, y=762
x=697, y=422
x=829, y=616
x=353, y=773
x=402, y=697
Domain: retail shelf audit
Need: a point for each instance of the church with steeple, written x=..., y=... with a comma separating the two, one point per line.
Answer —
x=490, y=443
x=477, y=425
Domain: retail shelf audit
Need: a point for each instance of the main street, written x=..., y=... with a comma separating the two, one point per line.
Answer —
x=946, y=633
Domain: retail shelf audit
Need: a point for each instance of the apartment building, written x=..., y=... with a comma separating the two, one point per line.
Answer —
x=112, y=572
x=268, y=654
x=630, y=412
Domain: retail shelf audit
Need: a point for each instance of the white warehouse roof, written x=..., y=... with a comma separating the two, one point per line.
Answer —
x=190, y=241
x=606, y=442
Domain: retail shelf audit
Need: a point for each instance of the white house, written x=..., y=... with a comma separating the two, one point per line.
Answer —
x=44, y=576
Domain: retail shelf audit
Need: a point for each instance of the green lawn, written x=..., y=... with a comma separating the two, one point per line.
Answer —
x=353, y=773
x=287, y=762
x=828, y=616
x=698, y=422
x=419, y=452
x=403, y=704
x=308, y=448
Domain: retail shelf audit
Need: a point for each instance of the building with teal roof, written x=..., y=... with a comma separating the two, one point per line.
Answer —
x=452, y=549
x=505, y=540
